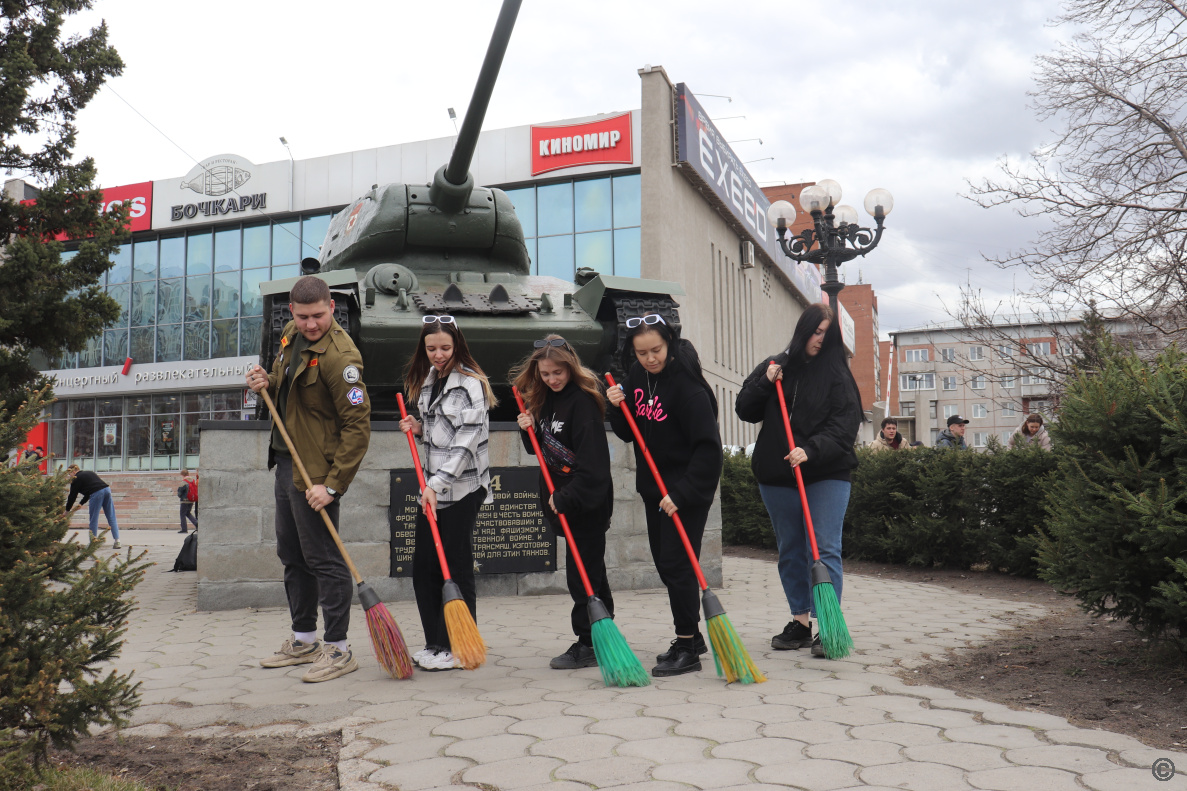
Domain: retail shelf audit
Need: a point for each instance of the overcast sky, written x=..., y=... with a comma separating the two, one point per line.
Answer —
x=913, y=96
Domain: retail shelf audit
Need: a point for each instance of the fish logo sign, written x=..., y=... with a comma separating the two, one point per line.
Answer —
x=218, y=176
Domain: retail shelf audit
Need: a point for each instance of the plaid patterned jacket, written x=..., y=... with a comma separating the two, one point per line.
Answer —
x=455, y=432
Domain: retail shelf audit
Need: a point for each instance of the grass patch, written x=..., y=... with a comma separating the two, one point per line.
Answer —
x=84, y=780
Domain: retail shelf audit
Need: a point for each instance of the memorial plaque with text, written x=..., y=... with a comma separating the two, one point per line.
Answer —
x=511, y=534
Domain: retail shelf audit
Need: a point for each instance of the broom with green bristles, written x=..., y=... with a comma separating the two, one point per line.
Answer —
x=834, y=634
x=618, y=663
x=465, y=643
x=731, y=657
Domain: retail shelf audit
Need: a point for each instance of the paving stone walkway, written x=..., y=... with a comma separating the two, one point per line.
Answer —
x=516, y=724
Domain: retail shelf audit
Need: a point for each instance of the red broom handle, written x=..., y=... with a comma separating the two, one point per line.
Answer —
x=420, y=477
x=663, y=490
x=799, y=476
x=589, y=591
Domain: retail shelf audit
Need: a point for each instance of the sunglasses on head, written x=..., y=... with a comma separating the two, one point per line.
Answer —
x=438, y=320
x=650, y=318
x=557, y=342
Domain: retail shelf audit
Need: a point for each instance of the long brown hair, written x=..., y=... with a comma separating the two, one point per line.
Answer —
x=417, y=369
x=526, y=376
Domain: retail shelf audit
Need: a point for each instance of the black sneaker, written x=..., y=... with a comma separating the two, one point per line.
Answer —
x=680, y=660
x=817, y=648
x=793, y=637
x=578, y=655
x=700, y=646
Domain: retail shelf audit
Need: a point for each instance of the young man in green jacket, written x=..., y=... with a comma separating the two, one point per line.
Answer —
x=317, y=386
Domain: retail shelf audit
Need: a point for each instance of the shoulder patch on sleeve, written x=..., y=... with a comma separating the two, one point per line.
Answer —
x=284, y=342
x=355, y=395
x=351, y=374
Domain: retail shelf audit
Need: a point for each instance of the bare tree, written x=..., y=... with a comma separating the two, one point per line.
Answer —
x=1114, y=183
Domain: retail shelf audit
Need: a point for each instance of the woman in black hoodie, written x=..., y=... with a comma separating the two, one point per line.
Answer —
x=564, y=401
x=676, y=411
x=825, y=408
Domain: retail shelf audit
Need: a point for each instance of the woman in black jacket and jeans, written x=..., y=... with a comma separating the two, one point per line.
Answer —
x=825, y=408
x=676, y=412
x=564, y=401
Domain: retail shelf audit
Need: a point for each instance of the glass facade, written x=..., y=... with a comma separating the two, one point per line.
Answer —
x=588, y=223
x=196, y=295
x=157, y=431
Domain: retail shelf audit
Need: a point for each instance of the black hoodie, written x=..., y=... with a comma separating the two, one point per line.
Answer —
x=680, y=430
x=586, y=495
x=825, y=426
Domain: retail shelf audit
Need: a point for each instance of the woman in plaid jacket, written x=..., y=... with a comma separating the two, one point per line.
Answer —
x=452, y=394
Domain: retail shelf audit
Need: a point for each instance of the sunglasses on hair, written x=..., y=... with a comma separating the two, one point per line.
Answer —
x=650, y=318
x=558, y=342
x=438, y=320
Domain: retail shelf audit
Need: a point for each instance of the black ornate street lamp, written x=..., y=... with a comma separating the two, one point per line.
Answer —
x=835, y=236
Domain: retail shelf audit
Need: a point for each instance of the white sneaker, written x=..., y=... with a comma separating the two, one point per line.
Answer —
x=444, y=660
x=116, y=545
x=423, y=654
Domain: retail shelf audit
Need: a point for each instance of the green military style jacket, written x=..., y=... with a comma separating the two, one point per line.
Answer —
x=328, y=411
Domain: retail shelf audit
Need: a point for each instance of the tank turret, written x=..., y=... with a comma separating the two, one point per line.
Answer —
x=449, y=247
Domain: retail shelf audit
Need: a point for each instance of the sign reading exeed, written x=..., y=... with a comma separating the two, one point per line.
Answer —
x=511, y=534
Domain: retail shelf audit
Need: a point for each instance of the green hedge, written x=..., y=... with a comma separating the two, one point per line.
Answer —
x=920, y=507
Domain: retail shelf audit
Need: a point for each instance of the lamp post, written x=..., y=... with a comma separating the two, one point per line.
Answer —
x=835, y=237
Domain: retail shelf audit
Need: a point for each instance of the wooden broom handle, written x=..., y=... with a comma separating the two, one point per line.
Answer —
x=288, y=443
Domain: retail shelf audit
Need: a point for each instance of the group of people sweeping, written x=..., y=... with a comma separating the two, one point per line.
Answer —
x=664, y=407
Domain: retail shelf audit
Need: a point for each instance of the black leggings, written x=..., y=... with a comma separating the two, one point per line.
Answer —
x=591, y=545
x=456, y=526
x=672, y=563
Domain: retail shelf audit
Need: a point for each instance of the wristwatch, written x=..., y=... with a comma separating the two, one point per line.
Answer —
x=333, y=493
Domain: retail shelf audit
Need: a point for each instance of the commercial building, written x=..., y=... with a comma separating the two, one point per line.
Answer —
x=653, y=192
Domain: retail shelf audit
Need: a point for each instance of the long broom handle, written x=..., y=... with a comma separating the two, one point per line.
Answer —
x=663, y=490
x=589, y=591
x=799, y=476
x=288, y=443
x=420, y=478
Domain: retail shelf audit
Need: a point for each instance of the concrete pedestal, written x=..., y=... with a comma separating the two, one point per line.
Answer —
x=237, y=563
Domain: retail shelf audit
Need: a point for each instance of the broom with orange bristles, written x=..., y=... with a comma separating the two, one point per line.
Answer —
x=729, y=654
x=386, y=638
x=465, y=643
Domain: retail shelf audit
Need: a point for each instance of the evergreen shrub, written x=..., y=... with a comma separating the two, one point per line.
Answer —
x=744, y=519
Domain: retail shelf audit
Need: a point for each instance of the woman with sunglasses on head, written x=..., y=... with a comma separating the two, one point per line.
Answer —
x=676, y=411
x=565, y=404
x=453, y=397
x=825, y=409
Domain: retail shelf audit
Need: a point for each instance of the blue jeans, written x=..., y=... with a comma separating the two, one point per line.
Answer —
x=101, y=501
x=827, y=501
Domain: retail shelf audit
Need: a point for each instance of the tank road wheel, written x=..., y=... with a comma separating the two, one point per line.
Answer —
x=620, y=307
x=277, y=315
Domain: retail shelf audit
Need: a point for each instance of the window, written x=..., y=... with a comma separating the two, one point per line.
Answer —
x=979, y=410
x=935, y=436
x=1034, y=377
x=1009, y=409
x=1008, y=382
x=950, y=410
x=980, y=438
x=1038, y=349
x=1006, y=352
x=948, y=355
x=1006, y=437
x=906, y=408
x=931, y=409
x=976, y=352
x=915, y=356
x=917, y=382
x=1040, y=405
x=977, y=383
x=949, y=382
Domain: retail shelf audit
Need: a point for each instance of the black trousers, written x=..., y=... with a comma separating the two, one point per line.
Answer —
x=314, y=571
x=455, y=523
x=591, y=545
x=672, y=563
x=186, y=507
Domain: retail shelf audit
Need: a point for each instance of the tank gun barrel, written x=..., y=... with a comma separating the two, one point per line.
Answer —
x=467, y=140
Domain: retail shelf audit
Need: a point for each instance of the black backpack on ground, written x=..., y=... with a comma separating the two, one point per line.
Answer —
x=187, y=558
